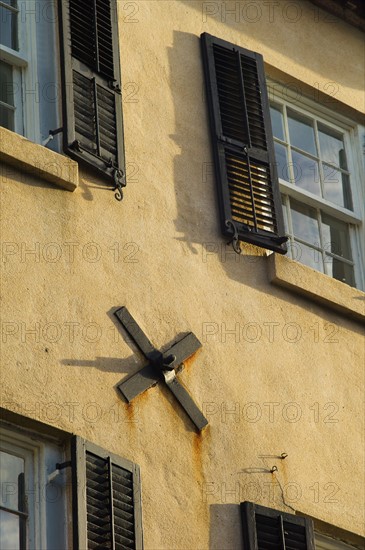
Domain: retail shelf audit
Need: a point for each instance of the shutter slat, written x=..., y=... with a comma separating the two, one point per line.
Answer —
x=256, y=192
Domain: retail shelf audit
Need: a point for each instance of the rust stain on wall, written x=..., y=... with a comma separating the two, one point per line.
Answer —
x=188, y=362
x=131, y=413
x=134, y=407
x=200, y=442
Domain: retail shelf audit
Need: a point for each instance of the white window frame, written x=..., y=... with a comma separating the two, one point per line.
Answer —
x=30, y=97
x=46, y=522
x=326, y=543
x=353, y=134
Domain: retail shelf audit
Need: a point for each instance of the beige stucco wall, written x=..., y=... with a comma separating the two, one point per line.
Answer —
x=293, y=370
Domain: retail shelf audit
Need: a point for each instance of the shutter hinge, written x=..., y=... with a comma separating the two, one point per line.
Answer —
x=114, y=85
x=279, y=240
x=76, y=145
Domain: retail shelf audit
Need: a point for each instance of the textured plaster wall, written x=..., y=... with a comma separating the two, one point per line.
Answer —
x=160, y=253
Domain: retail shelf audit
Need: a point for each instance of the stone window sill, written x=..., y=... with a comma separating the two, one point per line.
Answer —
x=41, y=162
x=317, y=287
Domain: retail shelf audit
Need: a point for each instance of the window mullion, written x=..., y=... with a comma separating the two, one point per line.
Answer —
x=322, y=243
x=354, y=145
x=355, y=243
x=320, y=166
x=289, y=157
x=29, y=77
x=13, y=57
x=340, y=258
x=290, y=224
x=18, y=100
x=318, y=202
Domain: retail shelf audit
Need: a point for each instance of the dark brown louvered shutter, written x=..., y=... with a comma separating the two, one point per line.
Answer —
x=246, y=176
x=92, y=105
x=106, y=500
x=265, y=528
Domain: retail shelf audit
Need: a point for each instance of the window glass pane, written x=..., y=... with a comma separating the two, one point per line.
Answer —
x=307, y=256
x=306, y=174
x=281, y=161
x=336, y=186
x=9, y=27
x=11, y=476
x=305, y=223
x=336, y=237
x=9, y=531
x=6, y=118
x=6, y=83
x=277, y=122
x=6, y=95
x=332, y=147
x=301, y=132
x=340, y=271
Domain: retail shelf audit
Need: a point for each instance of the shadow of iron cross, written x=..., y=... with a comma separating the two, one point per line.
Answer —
x=161, y=366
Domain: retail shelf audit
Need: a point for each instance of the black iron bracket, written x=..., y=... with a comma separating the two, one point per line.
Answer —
x=234, y=241
x=51, y=135
x=119, y=180
x=63, y=465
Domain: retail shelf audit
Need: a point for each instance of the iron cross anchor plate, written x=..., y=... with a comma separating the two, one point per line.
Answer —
x=161, y=366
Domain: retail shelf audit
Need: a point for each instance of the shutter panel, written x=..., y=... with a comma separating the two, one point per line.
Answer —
x=92, y=106
x=268, y=529
x=106, y=500
x=247, y=183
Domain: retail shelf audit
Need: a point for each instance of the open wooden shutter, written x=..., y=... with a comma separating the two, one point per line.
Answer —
x=265, y=528
x=92, y=105
x=248, y=189
x=106, y=499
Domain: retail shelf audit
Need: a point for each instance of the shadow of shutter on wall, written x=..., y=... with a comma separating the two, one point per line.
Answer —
x=107, y=500
x=265, y=528
x=92, y=106
x=247, y=182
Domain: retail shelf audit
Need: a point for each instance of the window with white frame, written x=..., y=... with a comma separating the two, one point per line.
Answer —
x=43, y=477
x=60, y=82
x=318, y=156
x=30, y=83
x=32, y=503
